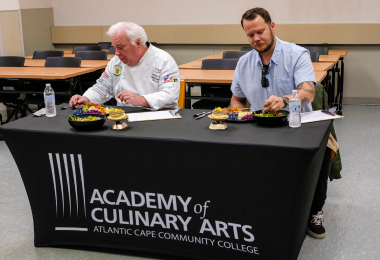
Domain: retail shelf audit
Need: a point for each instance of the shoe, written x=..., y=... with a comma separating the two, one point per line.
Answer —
x=314, y=226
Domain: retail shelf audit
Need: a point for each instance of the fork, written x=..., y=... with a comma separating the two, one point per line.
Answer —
x=63, y=108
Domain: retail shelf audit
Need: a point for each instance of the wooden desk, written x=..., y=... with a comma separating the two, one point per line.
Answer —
x=207, y=76
x=98, y=64
x=42, y=72
x=197, y=64
x=213, y=56
x=341, y=53
x=71, y=50
x=320, y=75
x=322, y=66
x=329, y=58
x=109, y=56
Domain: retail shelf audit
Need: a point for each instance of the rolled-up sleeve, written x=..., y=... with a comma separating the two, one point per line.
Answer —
x=168, y=87
x=303, y=70
x=103, y=86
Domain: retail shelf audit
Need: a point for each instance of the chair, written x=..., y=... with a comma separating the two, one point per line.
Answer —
x=323, y=49
x=44, y=54
x=233, y=54
x=66, y=86
x=87, y=48
x=246, y=48
x=92, y=55
x=314, y=56
x=105, y=45
x=111, y=50
x=154, y=44
x=215, y=91
x=12, y=99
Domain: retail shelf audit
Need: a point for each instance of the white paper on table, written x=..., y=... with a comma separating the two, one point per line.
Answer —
x=315, y=116
x=148, y=116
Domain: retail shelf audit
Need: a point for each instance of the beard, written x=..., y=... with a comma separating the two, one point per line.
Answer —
x=269, y=46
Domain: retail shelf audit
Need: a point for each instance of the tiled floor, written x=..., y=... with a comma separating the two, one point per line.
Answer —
x=351, y=211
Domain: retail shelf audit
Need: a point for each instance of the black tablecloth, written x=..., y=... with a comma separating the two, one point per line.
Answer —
x=170, y=186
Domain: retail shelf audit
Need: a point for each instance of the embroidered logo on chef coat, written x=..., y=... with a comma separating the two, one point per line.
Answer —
x=156, y=74
x=117, y=70
x=105, y=74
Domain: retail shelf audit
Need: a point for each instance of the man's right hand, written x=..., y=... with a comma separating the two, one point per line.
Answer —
x=77, y=100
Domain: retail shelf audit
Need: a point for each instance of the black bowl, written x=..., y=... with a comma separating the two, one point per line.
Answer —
x=88, y=125
x=271, y=121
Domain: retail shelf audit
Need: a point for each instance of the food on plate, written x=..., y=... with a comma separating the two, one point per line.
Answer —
x=243, y=114
x=220, y=113
x=247, y=117
x=93, y=111
x=275, y=114
x=233, y=110
x=91, y=106
x=84, y=119
x=117, y=114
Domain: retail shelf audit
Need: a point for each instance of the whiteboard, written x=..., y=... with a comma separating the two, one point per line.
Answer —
x=164, y=12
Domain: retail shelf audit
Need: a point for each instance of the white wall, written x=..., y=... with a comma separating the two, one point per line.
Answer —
x=31, y=4
x=148, y=12
x=9, y=5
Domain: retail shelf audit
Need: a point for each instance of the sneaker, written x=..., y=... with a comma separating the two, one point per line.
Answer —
x=314, y=226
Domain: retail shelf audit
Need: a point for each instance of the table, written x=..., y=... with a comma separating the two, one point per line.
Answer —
x=88, y=195
x=71, y=50
x=45, y=73
x=339, y=95
x=322, y=66
x=98, y=64
x=109, y=56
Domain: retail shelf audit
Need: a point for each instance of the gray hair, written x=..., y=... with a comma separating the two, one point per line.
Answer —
x=132, y=31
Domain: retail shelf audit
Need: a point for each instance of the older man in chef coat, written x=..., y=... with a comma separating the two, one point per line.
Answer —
x=139, y=74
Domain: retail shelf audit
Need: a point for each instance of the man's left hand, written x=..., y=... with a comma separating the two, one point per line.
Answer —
x=273, y=104
x=131, y=98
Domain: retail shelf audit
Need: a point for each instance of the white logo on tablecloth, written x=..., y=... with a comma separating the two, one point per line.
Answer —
x=64, y=168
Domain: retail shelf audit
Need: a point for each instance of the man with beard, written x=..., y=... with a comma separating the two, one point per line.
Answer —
x=266, y=77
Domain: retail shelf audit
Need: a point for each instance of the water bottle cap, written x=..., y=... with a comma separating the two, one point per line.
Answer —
x=48, y=85
x=294, y=91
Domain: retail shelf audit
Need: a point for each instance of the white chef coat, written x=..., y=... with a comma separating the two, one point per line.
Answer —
x=155, y=77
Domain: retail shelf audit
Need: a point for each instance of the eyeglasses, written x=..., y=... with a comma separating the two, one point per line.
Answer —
x=264, y=80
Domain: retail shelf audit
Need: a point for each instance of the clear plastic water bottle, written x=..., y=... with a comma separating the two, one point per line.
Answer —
x=49, y=98
x=295, y=110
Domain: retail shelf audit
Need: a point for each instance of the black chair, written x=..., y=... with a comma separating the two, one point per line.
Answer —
x=314, y=56
x=111, y=50
x=246, y=49
x=233, y=54
x=12, y=99
x=154, y=44
x=105, y=45
x=44, y=54
x=219, y=95
x=92, y=55
x=323, y=49
x=87, y=48
x=63, y=86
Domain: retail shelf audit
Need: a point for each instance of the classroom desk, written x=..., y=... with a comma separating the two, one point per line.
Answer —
x=329, y=58
x=213, y=56
x=71, y=50
x=341, y=53
x=85, y=195
x=220, y=77
x=98, y=64
x=197, y=65
x=339, y=95
x=109, y=56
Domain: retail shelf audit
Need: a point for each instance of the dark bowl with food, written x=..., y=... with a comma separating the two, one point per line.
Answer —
x=87, y=125
x=271, y=120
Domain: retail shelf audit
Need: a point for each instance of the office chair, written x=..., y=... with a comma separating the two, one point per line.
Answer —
x=44, y=54
x=105, y=45
x=246, y=49
x=314, y=56
x=323, y=49
x=87, y=48
x=111, y=50
x=92, y=55
x=233, y=54
x=12, y=99
x=215, y=91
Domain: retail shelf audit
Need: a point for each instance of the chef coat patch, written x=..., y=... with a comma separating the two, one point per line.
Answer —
x=167, y=79
x=101, y=81
x=105, y=75
x=117, y=70
x=156, y=75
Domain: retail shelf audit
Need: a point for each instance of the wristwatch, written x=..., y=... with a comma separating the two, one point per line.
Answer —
x=286, y=101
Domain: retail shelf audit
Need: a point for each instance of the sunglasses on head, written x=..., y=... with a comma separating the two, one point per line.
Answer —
x=264, y=80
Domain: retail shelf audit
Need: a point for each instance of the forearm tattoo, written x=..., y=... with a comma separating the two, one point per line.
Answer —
x=305, y=101
x=238, y=99
x=309, y=88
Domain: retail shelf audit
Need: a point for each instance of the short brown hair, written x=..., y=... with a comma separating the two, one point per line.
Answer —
x=254, y=12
